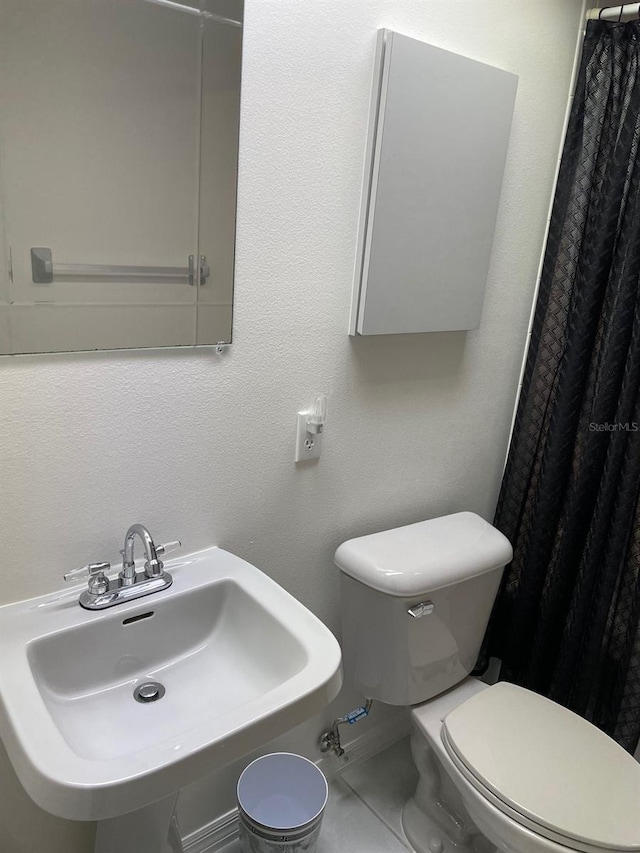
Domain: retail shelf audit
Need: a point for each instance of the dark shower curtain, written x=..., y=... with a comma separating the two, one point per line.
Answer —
x=567, y=620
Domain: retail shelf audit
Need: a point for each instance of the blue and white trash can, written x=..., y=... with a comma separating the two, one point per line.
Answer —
x=281, y=801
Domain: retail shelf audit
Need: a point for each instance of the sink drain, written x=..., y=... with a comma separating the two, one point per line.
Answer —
x=150, y=691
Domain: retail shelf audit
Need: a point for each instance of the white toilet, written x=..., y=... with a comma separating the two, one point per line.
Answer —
x=499, y=766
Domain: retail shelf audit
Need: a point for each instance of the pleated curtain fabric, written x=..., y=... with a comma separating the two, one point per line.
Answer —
x=567, y=620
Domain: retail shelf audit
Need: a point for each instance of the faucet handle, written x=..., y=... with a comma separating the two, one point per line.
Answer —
x=168, y=547
x=91, y=571
x=98, y=583
x=155, y=568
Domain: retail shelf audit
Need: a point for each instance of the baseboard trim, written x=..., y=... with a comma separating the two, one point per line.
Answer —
x=213, y=836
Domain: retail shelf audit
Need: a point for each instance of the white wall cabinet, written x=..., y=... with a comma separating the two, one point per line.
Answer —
x=438, y=136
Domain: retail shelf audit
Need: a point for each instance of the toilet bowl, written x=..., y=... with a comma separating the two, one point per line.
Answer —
x=500, y=767
x=527, y=800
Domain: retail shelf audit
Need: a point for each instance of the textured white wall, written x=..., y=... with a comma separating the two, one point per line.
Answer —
x=201, y=447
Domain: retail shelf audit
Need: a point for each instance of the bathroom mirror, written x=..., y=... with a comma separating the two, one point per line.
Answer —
x=118, y=170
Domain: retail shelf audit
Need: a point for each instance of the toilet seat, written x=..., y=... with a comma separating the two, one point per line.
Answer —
x=524, y=753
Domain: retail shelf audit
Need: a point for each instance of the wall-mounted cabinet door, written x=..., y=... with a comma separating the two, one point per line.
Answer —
x=438, y=140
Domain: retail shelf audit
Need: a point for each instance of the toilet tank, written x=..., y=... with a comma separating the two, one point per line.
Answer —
x=415, y=604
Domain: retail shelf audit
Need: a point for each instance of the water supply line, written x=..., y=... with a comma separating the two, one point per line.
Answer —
x=330, y=740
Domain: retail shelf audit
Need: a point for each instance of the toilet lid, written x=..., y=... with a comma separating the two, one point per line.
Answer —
x=549, y=765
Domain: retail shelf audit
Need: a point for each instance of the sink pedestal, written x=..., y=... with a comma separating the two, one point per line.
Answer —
x=153, y=829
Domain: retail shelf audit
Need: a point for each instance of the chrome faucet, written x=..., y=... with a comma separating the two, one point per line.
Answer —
x=153, y=567
x=103, y=592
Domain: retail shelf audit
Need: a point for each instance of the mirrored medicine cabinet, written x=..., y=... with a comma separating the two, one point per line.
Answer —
x=118, y=171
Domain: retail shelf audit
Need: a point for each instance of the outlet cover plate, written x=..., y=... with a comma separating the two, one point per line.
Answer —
x=307, y=446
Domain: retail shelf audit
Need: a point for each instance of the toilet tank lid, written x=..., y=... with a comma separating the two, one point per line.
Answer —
x=426, y=556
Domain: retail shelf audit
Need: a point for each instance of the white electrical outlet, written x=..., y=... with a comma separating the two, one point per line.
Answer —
x=308, y=446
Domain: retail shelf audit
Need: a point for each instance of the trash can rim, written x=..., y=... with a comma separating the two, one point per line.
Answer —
x=284, y=829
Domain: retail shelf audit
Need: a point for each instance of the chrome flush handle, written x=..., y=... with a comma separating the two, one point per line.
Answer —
x=425, y=608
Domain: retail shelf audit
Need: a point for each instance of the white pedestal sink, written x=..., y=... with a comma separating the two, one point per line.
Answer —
x=240, y=660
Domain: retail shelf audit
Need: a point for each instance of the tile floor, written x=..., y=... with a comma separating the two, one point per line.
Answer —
x=363, y=814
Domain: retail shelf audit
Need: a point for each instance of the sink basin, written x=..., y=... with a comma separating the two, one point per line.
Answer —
x=240, y=660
